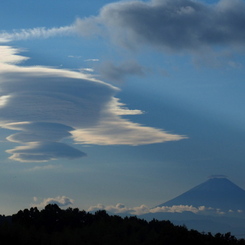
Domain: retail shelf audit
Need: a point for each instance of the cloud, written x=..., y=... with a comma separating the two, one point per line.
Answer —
x=117, y=73
x=87, y=70
x=91, y=60
x=39, y=32
x=122, y=132
x=143, y=209
x=4, y=40
x=174, y=25
x=45, y=105
x=9, y=56
x=44, y=151
x=120, y=209
x=180, y=209
x=61, y=201
x=210, y=33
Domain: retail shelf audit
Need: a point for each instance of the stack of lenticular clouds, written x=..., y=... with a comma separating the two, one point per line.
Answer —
x=45, y=105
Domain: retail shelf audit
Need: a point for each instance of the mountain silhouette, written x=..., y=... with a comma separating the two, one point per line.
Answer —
x=216, y=192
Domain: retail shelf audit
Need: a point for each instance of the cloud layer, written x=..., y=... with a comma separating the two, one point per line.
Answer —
x=45, y=105
x=143, y=209
x=176, y=25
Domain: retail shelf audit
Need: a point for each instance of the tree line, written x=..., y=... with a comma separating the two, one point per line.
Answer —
x=55, y=226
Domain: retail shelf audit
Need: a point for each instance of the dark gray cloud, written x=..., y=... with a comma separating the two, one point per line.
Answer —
x=175, y=25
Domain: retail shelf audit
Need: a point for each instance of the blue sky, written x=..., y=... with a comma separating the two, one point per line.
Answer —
x=130, y=102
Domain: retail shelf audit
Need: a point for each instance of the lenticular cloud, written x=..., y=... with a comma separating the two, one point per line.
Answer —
x=46, y=105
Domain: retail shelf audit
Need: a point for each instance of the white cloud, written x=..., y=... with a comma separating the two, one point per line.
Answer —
x=39, y=32
x=114, y=131
x=61, y=201
x=9, y=55
x=143, y=209
x=120, y=209
x=180, y=209
x=4, y=40
x=46, y=105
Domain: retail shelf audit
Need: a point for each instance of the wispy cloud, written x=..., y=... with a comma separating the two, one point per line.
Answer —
x=117, y=73
x=39, y=32
x=46, y=105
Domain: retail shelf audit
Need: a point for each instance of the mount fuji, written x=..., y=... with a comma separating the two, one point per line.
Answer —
x=216, y=192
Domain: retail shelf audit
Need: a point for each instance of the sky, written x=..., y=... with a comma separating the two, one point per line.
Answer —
x=119, y=104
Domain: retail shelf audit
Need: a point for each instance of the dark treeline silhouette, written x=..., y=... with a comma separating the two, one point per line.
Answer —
x=54, y=226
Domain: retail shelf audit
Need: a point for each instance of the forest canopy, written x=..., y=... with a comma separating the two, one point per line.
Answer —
x=53, y=225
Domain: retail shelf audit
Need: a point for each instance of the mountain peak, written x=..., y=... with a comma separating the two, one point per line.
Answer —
x=217, y=192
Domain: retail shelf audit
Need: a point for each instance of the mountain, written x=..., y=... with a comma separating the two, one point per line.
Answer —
x=216, y=192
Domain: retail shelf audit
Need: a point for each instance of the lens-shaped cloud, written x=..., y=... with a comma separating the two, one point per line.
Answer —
x=45, y=105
